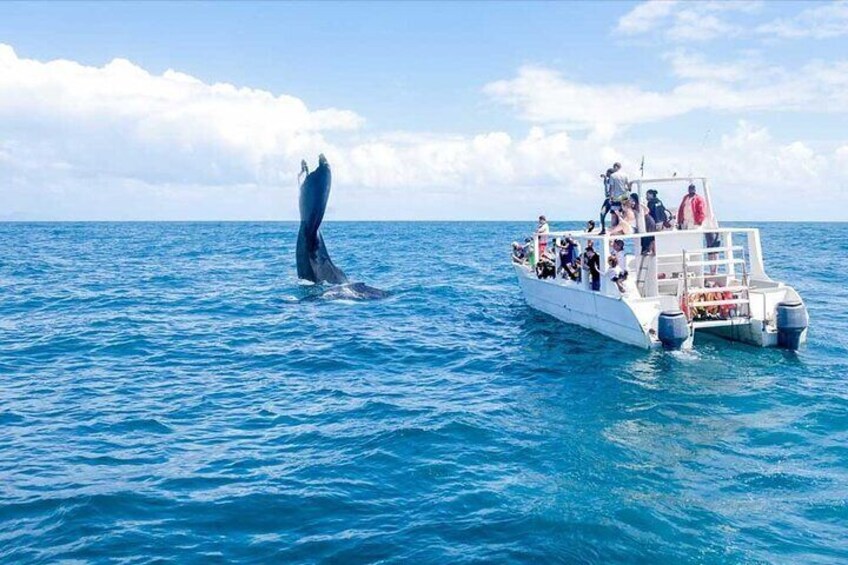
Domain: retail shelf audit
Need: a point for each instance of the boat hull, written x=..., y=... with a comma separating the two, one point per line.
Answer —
x=607, y=315
x=634, y=321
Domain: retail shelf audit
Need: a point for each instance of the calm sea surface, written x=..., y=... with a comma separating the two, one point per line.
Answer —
x=164, y=396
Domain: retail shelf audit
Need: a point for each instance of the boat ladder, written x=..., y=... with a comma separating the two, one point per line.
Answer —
x=717, y=310
x=642, y=274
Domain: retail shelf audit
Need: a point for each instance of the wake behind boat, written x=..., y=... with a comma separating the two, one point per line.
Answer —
x=661, y=287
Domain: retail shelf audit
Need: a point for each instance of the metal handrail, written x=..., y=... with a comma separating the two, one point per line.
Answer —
x=664, y=233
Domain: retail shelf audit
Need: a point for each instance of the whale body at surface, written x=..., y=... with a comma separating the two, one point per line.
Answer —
x=349, y=291
x=313, y=260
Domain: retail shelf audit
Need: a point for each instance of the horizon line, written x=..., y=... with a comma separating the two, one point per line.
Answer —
x=246, y=221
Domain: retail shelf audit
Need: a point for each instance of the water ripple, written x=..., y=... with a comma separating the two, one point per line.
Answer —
x=166, y=396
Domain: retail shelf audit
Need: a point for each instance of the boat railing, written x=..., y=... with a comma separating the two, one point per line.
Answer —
x=679, y=259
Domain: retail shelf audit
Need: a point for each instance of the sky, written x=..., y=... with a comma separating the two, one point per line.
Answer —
x=425, y=110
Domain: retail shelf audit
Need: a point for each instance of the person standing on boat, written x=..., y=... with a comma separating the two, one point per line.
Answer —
x=619, y=191
x=591, y=263
x=542, y=231
x=657, y=210
x=648, y=222
x=607, y=205
x=692, y=211
x=568, y=259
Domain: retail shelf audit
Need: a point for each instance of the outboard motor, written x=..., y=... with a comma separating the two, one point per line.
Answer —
x=673, y=329
x=791, y=323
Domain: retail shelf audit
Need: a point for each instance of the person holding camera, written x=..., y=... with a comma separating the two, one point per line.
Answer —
x=617, y=190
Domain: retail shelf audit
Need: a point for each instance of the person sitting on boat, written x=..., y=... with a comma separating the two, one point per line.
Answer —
x=591, y=263
x=519, y=253
x=568, y=259
x=542, y=230
x=546, y=267
x=590, y=226
x=692, y=211
x=661, y=216
x=616, y=273
x=626, y=220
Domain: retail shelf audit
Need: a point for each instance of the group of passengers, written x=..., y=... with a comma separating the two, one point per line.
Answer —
x=625, y=209
x=625, y=205
x=574, y=265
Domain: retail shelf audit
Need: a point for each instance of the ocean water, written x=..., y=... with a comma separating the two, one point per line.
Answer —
x=166, y=397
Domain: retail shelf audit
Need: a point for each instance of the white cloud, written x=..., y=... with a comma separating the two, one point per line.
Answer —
x=646, y=16
x=686, y=21
x=690, y=22
x=544, y=96
x=116, y=142
x=753, y=175
x=693, y=66
x=121, y=120
x=818, y=22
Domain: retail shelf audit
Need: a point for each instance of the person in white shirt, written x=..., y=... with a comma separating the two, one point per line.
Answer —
x=616, y=274
x=619, y=253
x=542, y=230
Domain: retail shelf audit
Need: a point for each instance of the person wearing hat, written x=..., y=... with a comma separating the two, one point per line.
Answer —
x=692, y=211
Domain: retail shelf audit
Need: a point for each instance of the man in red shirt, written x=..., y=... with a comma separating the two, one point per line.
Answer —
x=691, y=213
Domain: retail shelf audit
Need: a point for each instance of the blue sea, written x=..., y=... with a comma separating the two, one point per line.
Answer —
x=166, y=396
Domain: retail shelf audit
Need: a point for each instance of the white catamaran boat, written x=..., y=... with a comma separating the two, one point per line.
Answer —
x=680, y=285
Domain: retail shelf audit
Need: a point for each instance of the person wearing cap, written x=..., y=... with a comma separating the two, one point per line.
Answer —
x=692, y=211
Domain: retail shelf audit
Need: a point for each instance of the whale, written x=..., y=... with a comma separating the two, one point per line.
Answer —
x=356, y=291
x=313, y=259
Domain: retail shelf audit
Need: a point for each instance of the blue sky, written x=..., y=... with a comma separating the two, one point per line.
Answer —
x=438, y=110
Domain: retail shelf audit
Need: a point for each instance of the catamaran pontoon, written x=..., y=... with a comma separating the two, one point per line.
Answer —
x=682, y=285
